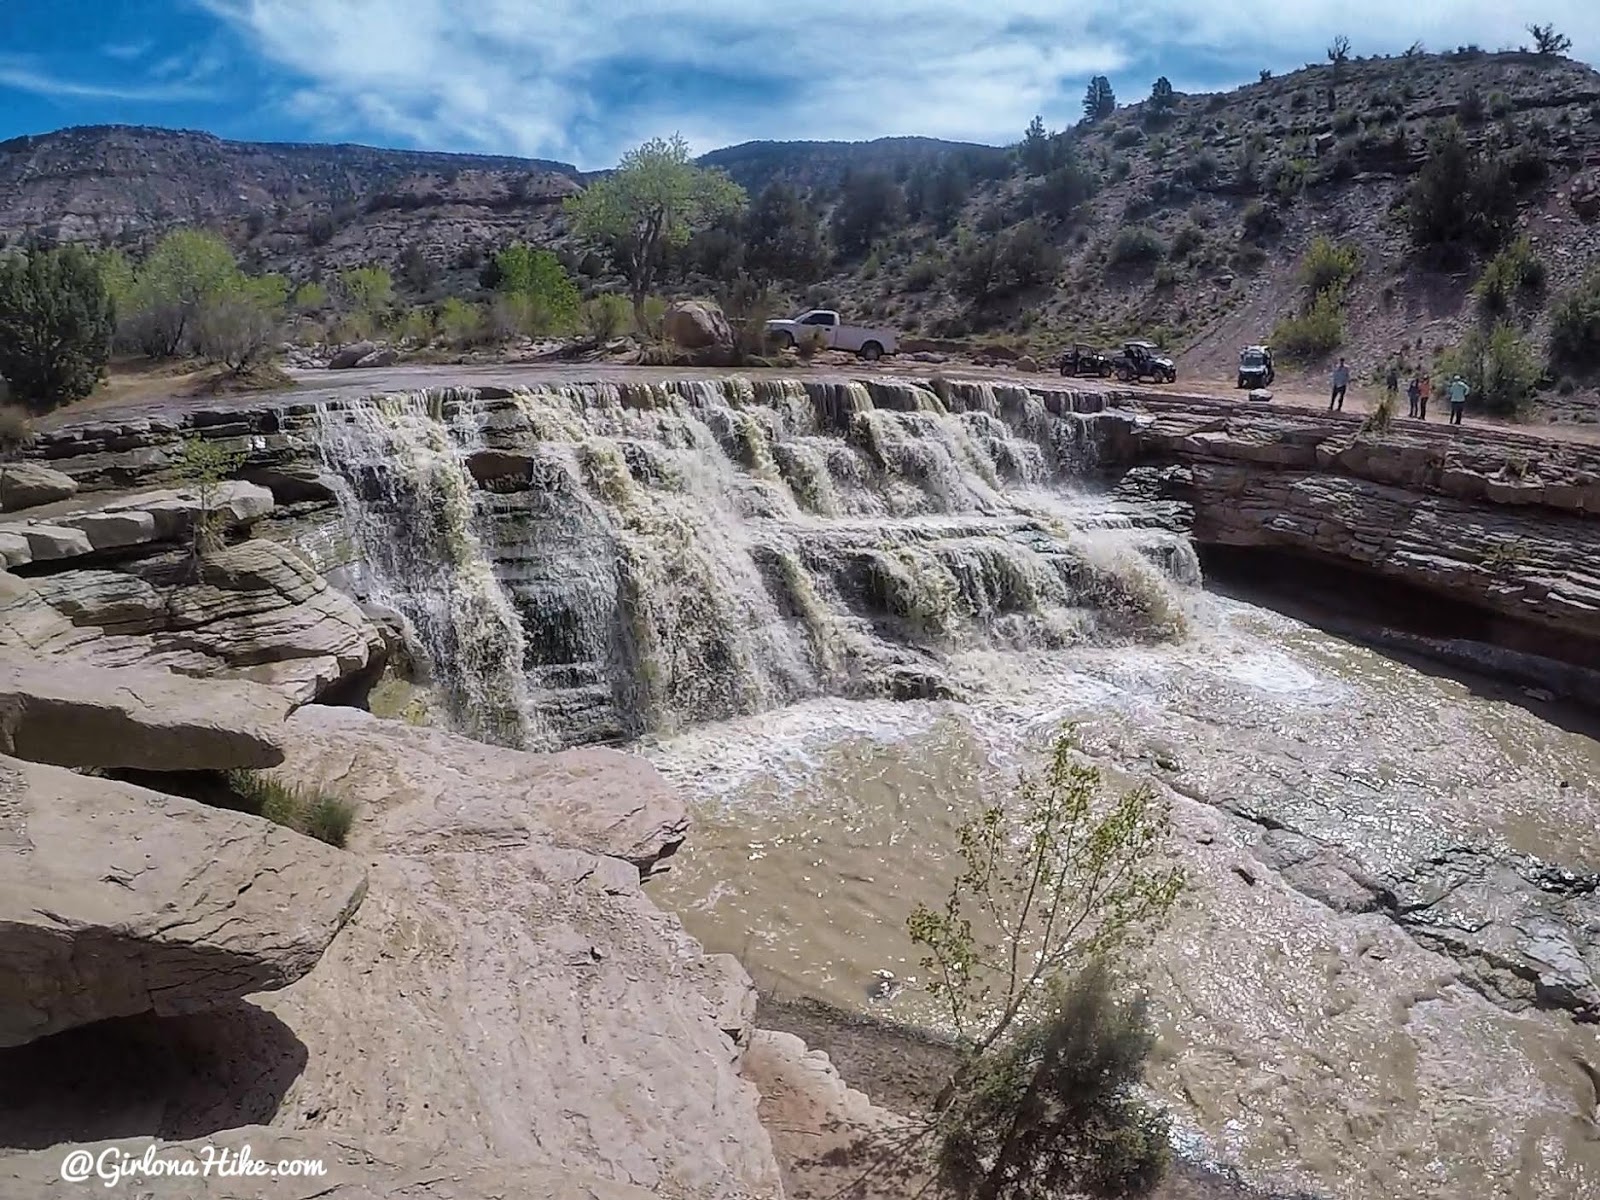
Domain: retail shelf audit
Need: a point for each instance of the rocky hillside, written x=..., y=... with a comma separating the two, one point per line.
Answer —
x=1185, y=221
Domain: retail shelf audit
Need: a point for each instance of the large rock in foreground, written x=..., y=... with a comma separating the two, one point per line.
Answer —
x=115, y=900
x=433, y=788
x=697, y=325
x=77, y=715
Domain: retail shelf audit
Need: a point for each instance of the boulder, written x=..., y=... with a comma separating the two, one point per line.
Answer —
x=142, y=518
x=77, y=715
x=1027, y=363
x=1584, y=195
x=697, y=325
x=435, y=788
x=384, y=356
x=27, y=484
x=351, y=355
x=116, y=900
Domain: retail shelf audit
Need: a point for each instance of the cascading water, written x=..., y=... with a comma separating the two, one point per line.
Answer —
x=594, y=562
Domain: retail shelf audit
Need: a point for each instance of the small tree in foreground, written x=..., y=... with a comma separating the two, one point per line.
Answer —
x=1057, y=883
x=204, y=466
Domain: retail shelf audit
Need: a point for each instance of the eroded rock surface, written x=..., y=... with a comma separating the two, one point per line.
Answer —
x=432, y=788
x=161, y=515
x=116, y=900
x=26, y=484
x=76, y=715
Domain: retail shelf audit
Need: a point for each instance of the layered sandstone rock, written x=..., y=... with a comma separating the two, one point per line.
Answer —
x=27, y=484
x=116, y=900
x=255, y=610
x=76, y=715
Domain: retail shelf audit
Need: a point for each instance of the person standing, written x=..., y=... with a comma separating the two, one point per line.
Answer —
x=1458, y=399
x=1414, y=394
x=1424, y=394
x=1392, y=384
x=1341, y=380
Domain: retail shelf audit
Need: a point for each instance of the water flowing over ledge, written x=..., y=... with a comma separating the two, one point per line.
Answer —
x=593, y=562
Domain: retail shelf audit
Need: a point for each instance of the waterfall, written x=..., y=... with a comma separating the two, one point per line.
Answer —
x=594, y=562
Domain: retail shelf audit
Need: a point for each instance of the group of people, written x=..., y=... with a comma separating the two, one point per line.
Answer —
x=1419, y=391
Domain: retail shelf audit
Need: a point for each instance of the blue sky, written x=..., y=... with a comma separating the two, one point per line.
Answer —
x=581, y=80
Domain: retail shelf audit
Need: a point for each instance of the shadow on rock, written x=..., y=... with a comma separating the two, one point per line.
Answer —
x=168, y=1077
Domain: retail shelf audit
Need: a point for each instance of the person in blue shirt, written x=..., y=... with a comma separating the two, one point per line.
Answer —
x=1341, y=380
x=1458, y=399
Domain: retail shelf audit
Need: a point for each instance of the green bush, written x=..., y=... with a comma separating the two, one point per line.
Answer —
x=1187, y=240
x=1261, y=221
x=1461, y=195
x=1313, y=334
x=56, y=322
x=1345, y=122
x=924, y=272
x=1135, y=245
x=1498, y=366
x=1575, y=325
x=1471, y=107
x=1328, y=267
x=538, y=277
x=313, y=813
x=1128, y=135
x=607, y=315
x=1514, y=273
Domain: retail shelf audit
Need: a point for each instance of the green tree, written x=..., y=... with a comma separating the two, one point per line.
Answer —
x=1099, y=102
x=1461, y=197
x=1057, y=881
x=1498, y=366
x=203, y=466
x=783, y=237
x=1162, y=98
x=1035, y=151
x=186, y=266
x=368, y=290
x=651, y=204
x=870, y=205
x=538, y=277
x=1575, y=324
x=310, y=296
x=239, y=325
x=460, y=323
x=56, y=321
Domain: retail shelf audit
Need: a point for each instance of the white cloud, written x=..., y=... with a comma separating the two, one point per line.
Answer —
x=25, y=77
x=126, y=51
x=581, y=80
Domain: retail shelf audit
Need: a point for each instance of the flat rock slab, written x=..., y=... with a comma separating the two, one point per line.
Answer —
x=75, y=714
x=142, y=518
x=437, y=789
x=116, y=900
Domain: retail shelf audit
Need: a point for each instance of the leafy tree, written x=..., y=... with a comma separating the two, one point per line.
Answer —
x=1035, y=151
x=186, y=266
x=1162, y=98
x=368, y=290
x=1516, y=273
x=1548, y=42
x=56, y=321
x=311, y=296
x=653, y=202
x=1099, y=101
x=1061, y=881
x=783, y=237
x=870, y=205
x=1461, y=196
x=460, y=323
x=538, y=277
x=605, y=316
x=238, y=325
x=1498, y=366
x=951, y=185
x=204, y=465
x=1575, y=324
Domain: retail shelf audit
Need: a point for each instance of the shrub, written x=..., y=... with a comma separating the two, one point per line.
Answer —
x=1575, y=324
x=1135, y=245
x=1313, y=334
x=1498, y=366
x=606, y=315
x=460, y=323
x=1128, y=135
x=55, y=325
x=1471, y=107
x=538, y=277
x=1043, y=1104
x=924, y=272
x=1187, y=240
x=1328, y=267
x=1513, y=273
x=368, y=290
x=239, y=326
x=810, y=344
x=310, y=297
x=1261, y=221
x=313, y=813
x=1460, y=196
x=1345, y=122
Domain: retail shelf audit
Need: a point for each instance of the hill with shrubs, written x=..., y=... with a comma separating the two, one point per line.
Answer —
x=1425, y=210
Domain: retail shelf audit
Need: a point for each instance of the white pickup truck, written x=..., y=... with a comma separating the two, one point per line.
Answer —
x=871, y=344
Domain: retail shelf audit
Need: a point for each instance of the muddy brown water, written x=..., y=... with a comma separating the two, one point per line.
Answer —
x=1315, y=1049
